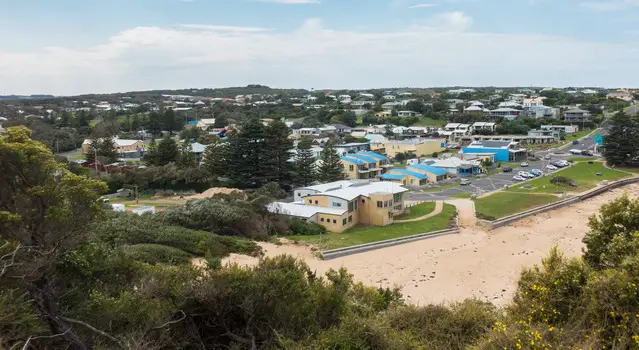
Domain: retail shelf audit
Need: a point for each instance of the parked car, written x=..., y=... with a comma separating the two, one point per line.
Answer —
x=575, y=142
x=507, y=169
x=536, y=172
x=575, y=151
x=551, y=167
x=525, y=174
x=560, y=164
x=465, y=182
x=548, y=157
x=524, y=164
x=518, y=178
x=586, y=153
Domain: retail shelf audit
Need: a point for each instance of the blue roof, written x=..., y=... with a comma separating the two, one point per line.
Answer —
x=431, y=169
x=391, y=177
x=374, y=155
x=353, y=160
x=363, y=157
x=411, y=173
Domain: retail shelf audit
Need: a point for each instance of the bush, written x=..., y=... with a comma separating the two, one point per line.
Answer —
x=306, y=228
x=156, y=254
x=562, y=181
x=483, y=216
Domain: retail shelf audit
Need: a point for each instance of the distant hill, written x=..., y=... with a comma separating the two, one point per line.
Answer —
x=23, y=97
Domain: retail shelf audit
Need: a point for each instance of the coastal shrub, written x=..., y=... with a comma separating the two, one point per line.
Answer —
x=306, y=228
x=156, y=254
x=562, y=181
x=483, y=216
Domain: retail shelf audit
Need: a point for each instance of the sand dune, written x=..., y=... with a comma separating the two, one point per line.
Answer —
x=475, y=263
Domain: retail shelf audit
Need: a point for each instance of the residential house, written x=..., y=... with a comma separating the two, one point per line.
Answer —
x=389, y=97
x=566, y=129
x=454, y=131
x=506, y=113
x=476, y=110
x=342, y=129
x=504, y=151
x=484, y=126
x=519, y=98
x=388, y=106
x=404, y=177
x=408, y=114
x=589, y=92
x=576, y=115
x=453, y=102
x=342, y=207
x=458, y=167
x=205, y=124
x=509, y=104
x=533, y=102
x=433, y=174
x=126, y=148
x=364, y=165
x=622, y=95
x=537, y=133
x=360, y=104
x=418, y=147
x=306, y=132
x=354, y=147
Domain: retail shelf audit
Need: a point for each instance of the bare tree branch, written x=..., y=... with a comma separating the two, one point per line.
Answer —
x=13, y=258
x=42, y=337
x=170, y=322
x=93, y=329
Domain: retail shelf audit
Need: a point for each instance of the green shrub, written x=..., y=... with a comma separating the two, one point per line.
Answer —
x=483, y=216
x=306, y=228
x=156, y=254
x=562, y=181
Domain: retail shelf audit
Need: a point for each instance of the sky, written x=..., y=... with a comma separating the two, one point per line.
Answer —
x=68, y=47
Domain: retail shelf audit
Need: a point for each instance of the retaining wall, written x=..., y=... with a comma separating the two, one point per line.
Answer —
x=340, y=252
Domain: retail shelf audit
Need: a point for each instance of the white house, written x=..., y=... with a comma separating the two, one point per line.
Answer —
x=389, y=97
x=205, y=123
x=408, y=114
x=506, y=113
x=533, y=102
x=488, y=126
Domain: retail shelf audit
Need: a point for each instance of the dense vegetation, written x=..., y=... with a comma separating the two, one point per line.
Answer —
x=73, y=277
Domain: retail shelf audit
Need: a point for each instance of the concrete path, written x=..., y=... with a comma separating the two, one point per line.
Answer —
x=466, y=212
x=439, y=206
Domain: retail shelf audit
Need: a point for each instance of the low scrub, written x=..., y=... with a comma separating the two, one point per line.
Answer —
x=563, y=181
x=156, y=254
x=306, y=228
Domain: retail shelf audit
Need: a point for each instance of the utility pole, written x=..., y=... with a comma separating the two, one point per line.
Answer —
x=95, y=160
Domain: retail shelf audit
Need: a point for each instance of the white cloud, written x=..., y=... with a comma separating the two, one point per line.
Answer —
x=442, y=52
x=421, y=6
x=292, y=2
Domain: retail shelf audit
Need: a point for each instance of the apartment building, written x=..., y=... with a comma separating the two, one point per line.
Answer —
x=567, y=129
x=340, y=206
x=577, y=115
x=417, y=147
x=364, y=165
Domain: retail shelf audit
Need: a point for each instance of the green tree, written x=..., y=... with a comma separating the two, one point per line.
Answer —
x=620, y=145
x=186, y=157
x=277, y=153
x=246, y=152
x=94, y=146
x=150, y=156
x=331, y=166
x=108, y=151
x=305, y=170
x=153, y=123
x=45, y=212
x=214, y=160
x=221, y=121
x=169, y=121
x=167, y=151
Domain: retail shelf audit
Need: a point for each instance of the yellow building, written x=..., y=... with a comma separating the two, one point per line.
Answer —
x=341, y=205
x=364, y=165
x=417, y=147
x=405, y=177
x=433, y=174
x=123, y=146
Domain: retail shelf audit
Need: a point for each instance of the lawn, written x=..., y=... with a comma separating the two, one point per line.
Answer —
x=582, y=173
x=417, y=211
x=368, y=234
x=462, y=195
x=425, y=121
x=503, y=204
x=629, y=169
x=77, y=156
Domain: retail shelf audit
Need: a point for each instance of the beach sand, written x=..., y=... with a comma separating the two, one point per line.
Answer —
x=474, y=263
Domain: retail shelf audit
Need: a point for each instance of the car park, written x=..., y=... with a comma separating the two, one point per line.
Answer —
x=525, y=174
x=551, y=167
x=518, y=178
x=524, y=164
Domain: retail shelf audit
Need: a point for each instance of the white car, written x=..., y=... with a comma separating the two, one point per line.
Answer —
x=524, y=164
x=518, y=178
x=525, y=174
x=551, y=167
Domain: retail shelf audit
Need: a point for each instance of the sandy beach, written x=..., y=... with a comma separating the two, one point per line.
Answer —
x=475, y=263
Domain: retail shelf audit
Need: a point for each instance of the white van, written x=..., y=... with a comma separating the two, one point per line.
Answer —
x=575, y=151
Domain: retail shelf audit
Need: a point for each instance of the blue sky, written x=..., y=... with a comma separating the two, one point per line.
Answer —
x=83, y=46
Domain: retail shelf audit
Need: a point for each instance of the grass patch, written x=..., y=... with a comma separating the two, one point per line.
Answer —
x=368, y=234
x=629, y=169
x=582, y=159
x=462, y=195
x=503, y=204
x=400, y=165
x=417, y=211
x=425, y=121
x=77, y=156
x=582, y=173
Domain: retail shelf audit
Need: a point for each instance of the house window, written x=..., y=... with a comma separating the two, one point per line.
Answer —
x=299, y=194
x=350, y=218
x=363, y=201
x=316, y=202
x=385, y=204
x=350, y=168
x=397, y=197
x=310, y=201
x=390, y=215
x=344, y=222
x=379, y=204
x=322, y=219
x=336, y=204
x=350, y=206
x=355, y=205
x=334, y=221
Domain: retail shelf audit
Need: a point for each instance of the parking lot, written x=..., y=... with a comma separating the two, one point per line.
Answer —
x=480, y=183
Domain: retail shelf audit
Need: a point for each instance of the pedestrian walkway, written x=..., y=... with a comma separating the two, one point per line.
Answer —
x=439, y=206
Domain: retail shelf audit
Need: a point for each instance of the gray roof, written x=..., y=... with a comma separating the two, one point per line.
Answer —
x=577, y=111
x=491, y=144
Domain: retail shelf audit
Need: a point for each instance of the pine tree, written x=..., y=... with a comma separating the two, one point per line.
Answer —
x=94, y=146
x=221, y=121
x=108, y=151
x=186, y=157
x=167, y=151
x=214, y=160
x=305, y=170
x=151, y=155
x=331, y=167
x=277, y=153
x=620, y=144
x=246, y=153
